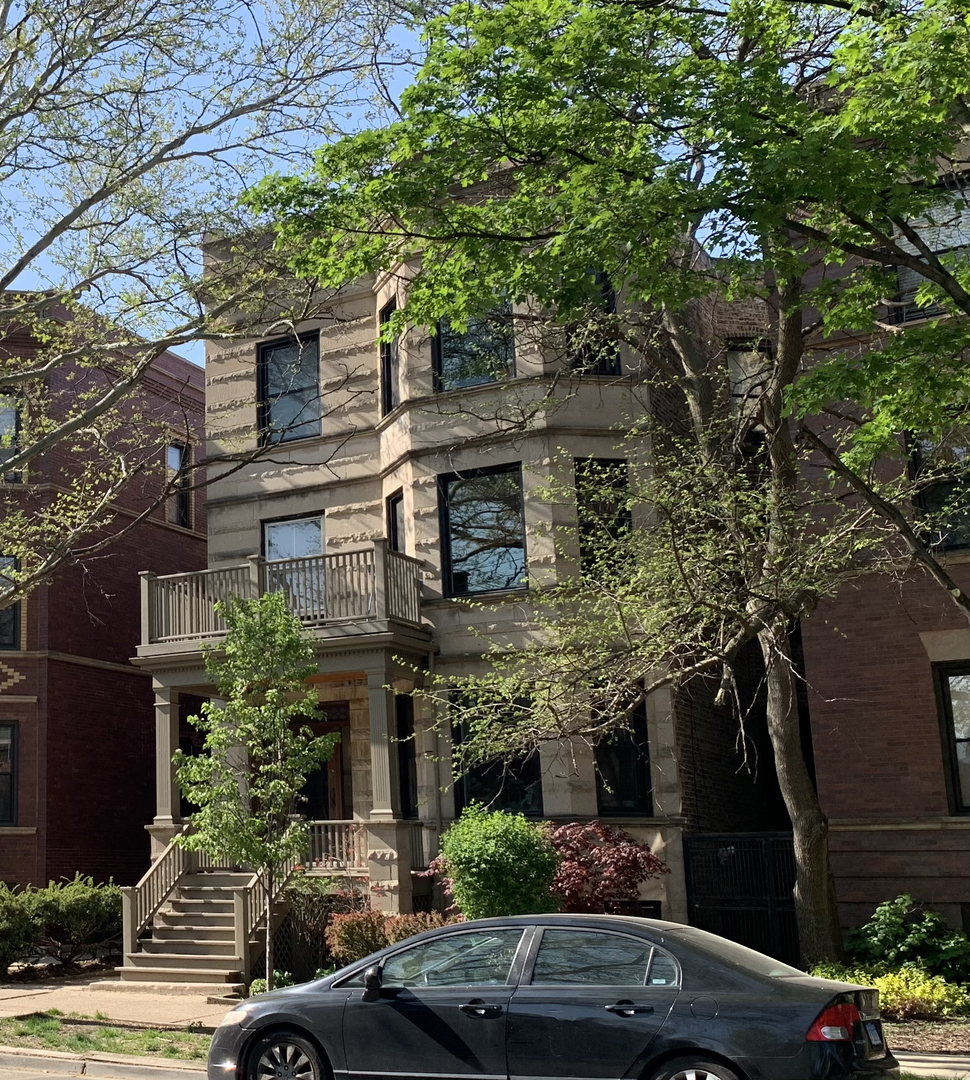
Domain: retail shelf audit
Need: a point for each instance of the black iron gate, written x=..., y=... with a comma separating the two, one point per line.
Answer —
x=739, y=885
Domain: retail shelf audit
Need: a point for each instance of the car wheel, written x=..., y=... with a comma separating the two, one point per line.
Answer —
x=284, y=1055
x=694, y=1069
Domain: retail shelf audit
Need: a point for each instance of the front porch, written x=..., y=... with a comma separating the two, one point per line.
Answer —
x=361, y=610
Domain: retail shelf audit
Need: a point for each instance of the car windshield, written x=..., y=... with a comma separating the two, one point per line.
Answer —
x=730, y=952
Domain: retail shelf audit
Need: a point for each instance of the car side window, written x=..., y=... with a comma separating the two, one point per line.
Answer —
x=590, y=958
x=663, y=970
x=482, y=958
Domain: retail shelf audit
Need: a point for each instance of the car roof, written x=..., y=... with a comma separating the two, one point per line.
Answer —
x=658, y=926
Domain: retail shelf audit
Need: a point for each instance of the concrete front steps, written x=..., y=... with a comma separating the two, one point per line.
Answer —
x=192, y=943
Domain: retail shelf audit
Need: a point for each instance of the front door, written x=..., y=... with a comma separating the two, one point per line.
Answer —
x=592, y=1004
x=441, y=1013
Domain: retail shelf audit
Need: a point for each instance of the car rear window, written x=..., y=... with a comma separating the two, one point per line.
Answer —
x=733, y=954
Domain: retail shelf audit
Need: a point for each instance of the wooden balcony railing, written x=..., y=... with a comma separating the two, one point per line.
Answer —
x=353, y=586
x=338, y=846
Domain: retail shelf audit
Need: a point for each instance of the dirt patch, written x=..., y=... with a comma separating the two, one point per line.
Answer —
x=929, y=1036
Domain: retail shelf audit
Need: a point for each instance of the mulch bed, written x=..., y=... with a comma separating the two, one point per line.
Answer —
x=929, y=1036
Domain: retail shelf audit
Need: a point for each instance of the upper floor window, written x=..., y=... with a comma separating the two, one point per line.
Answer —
x=8, y=774
x=484, y=353
x=482, y=531
x=395, y=521
x=943, y=503
x=390, y=365
x=602, y=509
x=946, y=231
x=953, y=698
x=179, y=505
x=594, y=347
x=9, y=432
x=623, y=770
x=289, y=389
x=9, y=616
x=286, y=544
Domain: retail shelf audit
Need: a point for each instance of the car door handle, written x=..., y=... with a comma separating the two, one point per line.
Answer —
x=628, y=1008
x=480, y=1009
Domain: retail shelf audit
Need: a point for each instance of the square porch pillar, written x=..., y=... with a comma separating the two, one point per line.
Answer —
x=168, y=819
x=389, y=866
x=386, y=803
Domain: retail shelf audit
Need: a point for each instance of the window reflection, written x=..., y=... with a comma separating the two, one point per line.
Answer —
x=484, y=353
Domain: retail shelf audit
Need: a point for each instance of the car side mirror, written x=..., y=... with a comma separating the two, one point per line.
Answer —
x=372, y=984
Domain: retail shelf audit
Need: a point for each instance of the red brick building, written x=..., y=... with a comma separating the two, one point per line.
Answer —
x=77, y=729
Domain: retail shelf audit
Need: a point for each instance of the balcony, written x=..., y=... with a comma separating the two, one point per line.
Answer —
x=372, y=585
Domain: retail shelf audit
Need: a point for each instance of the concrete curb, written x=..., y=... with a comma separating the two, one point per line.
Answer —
x=107, y=1066
x=952, y=1066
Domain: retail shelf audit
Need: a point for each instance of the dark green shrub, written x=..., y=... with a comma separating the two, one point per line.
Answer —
x=355, y=935
x=16, y=928
x=902, y=932
x=496, y=863
x=74, y=917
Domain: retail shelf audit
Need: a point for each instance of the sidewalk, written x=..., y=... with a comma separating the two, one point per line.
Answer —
x=108, y=997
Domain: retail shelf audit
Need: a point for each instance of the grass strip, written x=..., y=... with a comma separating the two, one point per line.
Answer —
x=53, y=1030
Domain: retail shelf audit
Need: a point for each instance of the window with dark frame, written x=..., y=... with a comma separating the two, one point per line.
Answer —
x=514, y=786
x=602, y=513
x=406, y=755
x=594, y=348
x=395, y=522
x=953, y=701
x=390, y=352
x=482, y=531
x=9, y=435
x=946, y=232
x=943, y=505
x=623, y=784
x=179, y=507
x=484, y=353
x=9, y=616
x=289, y=389
x=8, y=774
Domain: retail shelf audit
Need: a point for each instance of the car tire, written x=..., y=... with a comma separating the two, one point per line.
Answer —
x=285, y=1055
x=691, y=1068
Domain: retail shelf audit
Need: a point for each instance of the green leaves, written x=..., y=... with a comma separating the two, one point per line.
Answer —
x=259, y=751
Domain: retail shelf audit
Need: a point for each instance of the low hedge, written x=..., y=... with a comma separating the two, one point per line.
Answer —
x=64, y=920
x=908, y=992
x=357, y=934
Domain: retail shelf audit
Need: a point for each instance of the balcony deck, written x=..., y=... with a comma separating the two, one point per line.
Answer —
x=370, y=586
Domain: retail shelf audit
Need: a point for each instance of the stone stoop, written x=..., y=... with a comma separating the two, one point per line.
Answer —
x=192, y=942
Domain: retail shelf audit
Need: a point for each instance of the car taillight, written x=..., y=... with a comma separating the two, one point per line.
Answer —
x=834, y=1024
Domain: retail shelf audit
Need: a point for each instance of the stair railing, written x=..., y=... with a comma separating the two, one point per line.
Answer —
x=249, y=909
x=140, y=902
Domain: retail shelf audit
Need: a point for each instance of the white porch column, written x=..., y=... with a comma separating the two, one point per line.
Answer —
x=167, y=820
x=383, y=752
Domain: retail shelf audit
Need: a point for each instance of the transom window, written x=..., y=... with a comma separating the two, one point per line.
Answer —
x=484, y=353
x=953, y=696
x=483, y=531
x=289, y=389
x=588, y=958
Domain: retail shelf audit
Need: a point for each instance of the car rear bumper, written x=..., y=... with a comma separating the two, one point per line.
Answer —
x=821, y=1061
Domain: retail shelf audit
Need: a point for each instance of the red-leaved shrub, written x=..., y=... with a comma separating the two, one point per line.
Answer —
x=600, y=867
x=355, y=935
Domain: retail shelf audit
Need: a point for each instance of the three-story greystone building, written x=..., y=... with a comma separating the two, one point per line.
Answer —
x=403, y=479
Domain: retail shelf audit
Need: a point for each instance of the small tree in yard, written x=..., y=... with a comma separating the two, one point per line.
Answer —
x=496, y=863
x=601, y=867
x=258, y=756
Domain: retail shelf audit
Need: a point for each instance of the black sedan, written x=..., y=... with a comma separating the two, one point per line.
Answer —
x=544, y=997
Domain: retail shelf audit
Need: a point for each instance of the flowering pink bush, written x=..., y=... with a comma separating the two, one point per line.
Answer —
x=600, y=867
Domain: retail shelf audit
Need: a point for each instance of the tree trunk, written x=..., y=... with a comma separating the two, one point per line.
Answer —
x=816, y=911
x=269, y=928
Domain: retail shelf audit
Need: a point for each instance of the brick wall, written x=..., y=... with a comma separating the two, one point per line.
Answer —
x=878, y=746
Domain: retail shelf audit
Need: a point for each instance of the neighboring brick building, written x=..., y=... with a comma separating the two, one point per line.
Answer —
x=77, y=730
